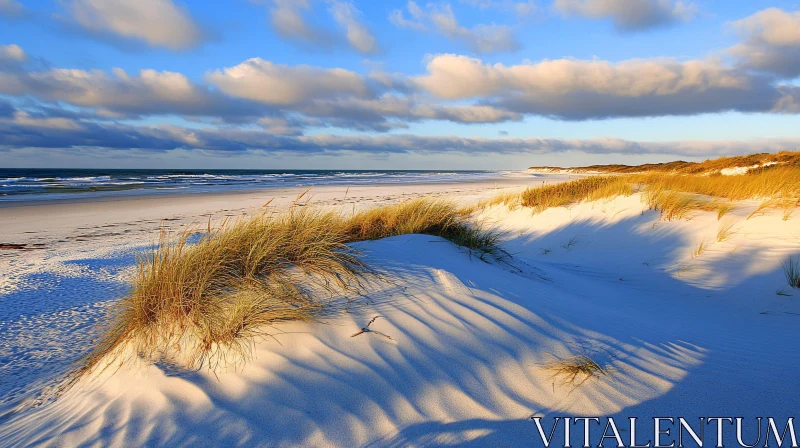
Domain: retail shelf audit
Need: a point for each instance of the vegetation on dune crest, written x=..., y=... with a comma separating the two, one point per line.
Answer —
x=590, y=188
x=676, y=196
x=205, y=303
x=765, y=160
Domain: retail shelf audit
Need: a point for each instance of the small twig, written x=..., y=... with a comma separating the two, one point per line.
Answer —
x=368, y=330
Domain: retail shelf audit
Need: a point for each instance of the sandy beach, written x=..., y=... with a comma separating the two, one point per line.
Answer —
x=469, y=341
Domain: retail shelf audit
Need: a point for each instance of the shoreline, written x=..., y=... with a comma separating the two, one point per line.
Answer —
x=119, y=218
x=245, y=191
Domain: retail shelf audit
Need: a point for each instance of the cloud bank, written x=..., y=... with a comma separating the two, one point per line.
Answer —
x=23, y=130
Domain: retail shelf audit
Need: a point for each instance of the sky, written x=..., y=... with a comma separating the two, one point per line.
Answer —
x=337, y=84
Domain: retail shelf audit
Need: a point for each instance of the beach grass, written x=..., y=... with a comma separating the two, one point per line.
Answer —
x=752, y=163
x=791, y=269
x=576, y=370
x=562, y=194
x=725, y=231
x=676, y=195
x=205, y=303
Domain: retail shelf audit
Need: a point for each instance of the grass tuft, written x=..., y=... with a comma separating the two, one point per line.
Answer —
x=791, y=268
x=589, y=188
x=675, y=194
x=701, y=247
x=724, y=232
x=206, y=303
x=578, y=369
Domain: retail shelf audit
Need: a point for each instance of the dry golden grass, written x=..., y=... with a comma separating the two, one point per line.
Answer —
x=785, y=158
x=676, y=196
x=723, y=208
x=777, y=183
x=724, y=232
x=422, y=216
x=576, y=370
x=674, y=204
x=589, y=188
x=510, y=199
x=702, y=246
x=205, y=303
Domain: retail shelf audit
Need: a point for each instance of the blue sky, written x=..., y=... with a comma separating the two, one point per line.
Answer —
x=394, y=84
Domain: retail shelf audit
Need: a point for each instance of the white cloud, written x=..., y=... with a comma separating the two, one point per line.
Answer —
x=287, y=18
x=576, y=89
x=11, y=8
x=277, y=84
x=771, y=42
x=480, y=38
x=11, y=53
x=358, y=36
x=630, y=15
x=159, y=23
x=458, y=77
x=120, y=94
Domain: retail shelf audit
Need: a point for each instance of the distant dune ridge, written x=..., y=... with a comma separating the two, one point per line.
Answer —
x=722, y=165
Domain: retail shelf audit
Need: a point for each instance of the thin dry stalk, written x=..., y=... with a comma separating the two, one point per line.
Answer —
x=791, y=269
x=724, y=232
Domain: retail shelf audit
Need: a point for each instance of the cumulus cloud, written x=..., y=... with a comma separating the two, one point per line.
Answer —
x=158, y=23
x=255, y=91
x=341, y=97
x=22, y=131
x=11, y=8
x=287, y=19
x=578, y=89
x=11, y=54
x=284, y=85
x=771, y=42
x=630, y=15
x=120, y=94
x=358, y=36
x=480, y=38
x=375, y=113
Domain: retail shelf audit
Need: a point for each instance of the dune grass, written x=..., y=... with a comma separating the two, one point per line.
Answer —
x=724, y=232
x=576, y=370
x=791, y=269
x=711, y=166
x=676, y=196
x=206, y=303
x=558, y=195
x=427, y=217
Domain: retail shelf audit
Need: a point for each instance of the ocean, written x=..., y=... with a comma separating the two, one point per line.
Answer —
x=48, y=184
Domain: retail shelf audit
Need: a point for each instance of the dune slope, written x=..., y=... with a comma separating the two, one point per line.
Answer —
x=684, y=334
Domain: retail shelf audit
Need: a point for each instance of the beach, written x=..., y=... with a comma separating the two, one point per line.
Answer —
x=460, y=349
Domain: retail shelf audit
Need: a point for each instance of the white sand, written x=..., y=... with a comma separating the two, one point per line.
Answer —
x=686, y=336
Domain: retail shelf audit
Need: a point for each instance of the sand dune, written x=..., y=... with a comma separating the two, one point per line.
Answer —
x=467, y=364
